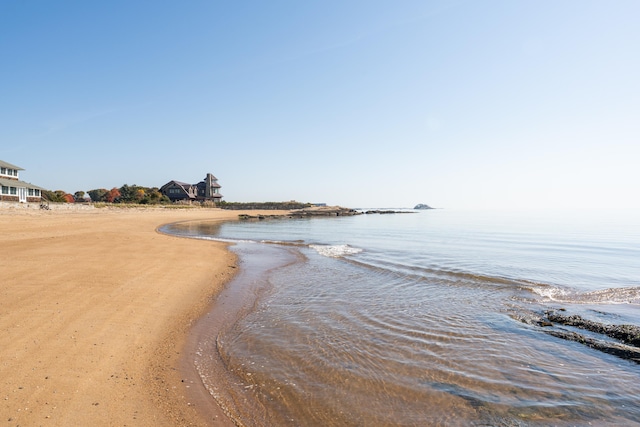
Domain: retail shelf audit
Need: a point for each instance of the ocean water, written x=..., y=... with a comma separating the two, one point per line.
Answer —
x=415, y=319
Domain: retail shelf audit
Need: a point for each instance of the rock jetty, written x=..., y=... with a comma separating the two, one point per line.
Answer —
x=323, y=211
x=319, y=211
x=307, y=212
x=386, y=211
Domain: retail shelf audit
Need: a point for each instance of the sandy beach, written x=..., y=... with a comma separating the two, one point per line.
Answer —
x=95, y=307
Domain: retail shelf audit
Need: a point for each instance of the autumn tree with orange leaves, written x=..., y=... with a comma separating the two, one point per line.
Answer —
x=112, y=195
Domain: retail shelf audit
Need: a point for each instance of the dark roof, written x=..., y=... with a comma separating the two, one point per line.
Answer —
x=203, y=184
x=184, y=185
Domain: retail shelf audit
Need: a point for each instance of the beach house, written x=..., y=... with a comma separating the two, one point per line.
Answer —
x=206, y=190
x=14, y=190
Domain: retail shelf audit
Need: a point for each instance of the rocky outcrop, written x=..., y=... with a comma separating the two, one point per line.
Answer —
x=383, y=212
x=323, y=211
x=245, y=217
x=422, y=206
x=628, y=334
x=552, y=322
x=265, y=206
x=319, y=211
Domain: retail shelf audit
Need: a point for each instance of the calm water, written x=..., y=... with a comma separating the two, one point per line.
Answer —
x=410, y=320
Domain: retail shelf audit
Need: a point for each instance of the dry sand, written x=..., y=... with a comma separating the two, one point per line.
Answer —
x=95, y=307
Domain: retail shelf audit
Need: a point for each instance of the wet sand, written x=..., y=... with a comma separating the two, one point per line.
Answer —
x=95, y=309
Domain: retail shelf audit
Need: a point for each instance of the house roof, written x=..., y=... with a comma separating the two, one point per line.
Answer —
x=202, y=184
x=180, y=184
x=9, y=165
x=17, y=183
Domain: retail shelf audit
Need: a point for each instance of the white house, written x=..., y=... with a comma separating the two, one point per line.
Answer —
x=14, y=190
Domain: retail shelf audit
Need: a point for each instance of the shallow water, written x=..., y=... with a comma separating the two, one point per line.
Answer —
x=411, y=319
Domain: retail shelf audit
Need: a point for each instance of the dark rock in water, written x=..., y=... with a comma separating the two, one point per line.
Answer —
x=323, y=211
x=422, y=206
x=319, y=211
x=628, y=334
x=264, y=206
x=245, y=217
x=621, y=350
x=383, y=212
x=552, y=322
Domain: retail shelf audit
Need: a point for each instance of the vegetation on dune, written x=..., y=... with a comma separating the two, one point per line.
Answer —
x=127, y=194
x=57, y=196
x=135, y=195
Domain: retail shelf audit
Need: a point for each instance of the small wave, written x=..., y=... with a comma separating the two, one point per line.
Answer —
x=221, y=239
x=552, y=293
x=602, y=296
x=284, y=242
x=614, y=295
x=335, y=251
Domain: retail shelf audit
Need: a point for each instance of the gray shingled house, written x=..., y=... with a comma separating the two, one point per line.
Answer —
x=206, y=190
x=14, y=190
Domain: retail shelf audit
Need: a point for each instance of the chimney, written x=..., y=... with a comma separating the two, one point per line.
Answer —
x=208, y=193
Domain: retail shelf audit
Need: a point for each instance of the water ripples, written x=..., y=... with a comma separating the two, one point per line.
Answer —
x=409, y=340
x=382, y=322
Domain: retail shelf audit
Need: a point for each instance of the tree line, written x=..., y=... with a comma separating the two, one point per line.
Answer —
x=125, y=194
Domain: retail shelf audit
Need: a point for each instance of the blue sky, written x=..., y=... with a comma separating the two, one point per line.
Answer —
x=457, y=104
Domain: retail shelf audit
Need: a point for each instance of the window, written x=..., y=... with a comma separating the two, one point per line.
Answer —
x=3, y=171
x=5, y=189
x=13, y=190
x=37, y=192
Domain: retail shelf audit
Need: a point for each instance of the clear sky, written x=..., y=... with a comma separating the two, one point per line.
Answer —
x=362, y=103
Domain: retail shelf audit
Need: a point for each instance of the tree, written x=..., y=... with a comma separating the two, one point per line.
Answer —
x=132, y=193
x=113, y=195
x=54, y=196
x=153, y=196
x=98, y=195
x=129, y=194
x=79, y=196
x=126, y=193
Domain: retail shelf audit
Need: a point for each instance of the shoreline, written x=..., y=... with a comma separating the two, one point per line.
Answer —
x=93, y=324
x=212, y=386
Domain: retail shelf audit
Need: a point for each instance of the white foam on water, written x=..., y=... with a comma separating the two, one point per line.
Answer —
x=629, y=295
x=552, y=293
x=335, y=251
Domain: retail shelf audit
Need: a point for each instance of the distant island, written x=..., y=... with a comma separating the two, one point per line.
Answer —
x=422, y=206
